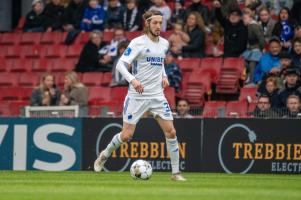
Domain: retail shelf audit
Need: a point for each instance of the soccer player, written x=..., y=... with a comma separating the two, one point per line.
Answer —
x=146, y=54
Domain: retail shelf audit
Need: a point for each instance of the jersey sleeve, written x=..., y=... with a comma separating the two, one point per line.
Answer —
x=131, y=52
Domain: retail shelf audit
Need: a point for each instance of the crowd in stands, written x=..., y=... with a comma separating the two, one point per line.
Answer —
x=265, y=33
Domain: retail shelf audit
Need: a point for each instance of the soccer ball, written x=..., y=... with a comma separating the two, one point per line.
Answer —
x=141, y=169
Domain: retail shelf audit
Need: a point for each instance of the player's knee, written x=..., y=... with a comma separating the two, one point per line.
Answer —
x=171, y=133
x=126, y=136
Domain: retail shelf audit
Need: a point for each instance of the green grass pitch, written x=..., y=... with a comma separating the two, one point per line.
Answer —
x=200, y=186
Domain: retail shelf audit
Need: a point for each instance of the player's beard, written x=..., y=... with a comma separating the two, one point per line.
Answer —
x=153, y=34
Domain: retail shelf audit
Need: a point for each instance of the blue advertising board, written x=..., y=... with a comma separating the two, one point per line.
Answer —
x=40, y=144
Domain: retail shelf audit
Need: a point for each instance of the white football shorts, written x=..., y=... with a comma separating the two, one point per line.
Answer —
x=133, y=109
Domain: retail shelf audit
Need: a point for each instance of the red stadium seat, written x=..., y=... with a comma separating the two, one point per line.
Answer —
x=15, y=51
x=17, y=106
x=106, y=79
x=63, y=65
x=53, y=38
x=108, y=36
x=212, y=109
x=118, y=94
x=212, y=66
x=30, y=38
x=10, y=94
x=99, y=95
x=248, y=93
x=198, y=86
x=56, y=51
x=25, y=93
x=5, y=109
x=35, y=51
x=236, y=109
x=132, y=35
x=189, y=64
x=41, y=65
x=82, y=38
x=8, y=79
x=5, y=64
x=92, y=78
x=20, y=25
x=73, y=51
x=28, y=80
x=21, y=65
x=231, y=73
x=170, y=96
x=166, y=34
x=10, y=38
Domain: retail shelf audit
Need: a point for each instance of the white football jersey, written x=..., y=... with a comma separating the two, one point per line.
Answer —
x=147, y=60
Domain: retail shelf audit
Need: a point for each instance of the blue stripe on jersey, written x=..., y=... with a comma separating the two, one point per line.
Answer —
x=135, y=67
x=126, y=104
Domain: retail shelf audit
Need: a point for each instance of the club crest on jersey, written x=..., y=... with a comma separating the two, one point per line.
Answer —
x=128, y=51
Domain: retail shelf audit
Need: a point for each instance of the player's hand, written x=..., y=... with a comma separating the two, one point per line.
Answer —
x=137, y=85
x=165, y=82
x=217, y=4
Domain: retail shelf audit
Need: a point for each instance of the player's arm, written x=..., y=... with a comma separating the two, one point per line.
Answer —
x=126, y=59
x=165, y=82
x=122, y=68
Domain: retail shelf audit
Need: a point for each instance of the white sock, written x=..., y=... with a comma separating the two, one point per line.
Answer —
x=173, y=150
x=113, y=145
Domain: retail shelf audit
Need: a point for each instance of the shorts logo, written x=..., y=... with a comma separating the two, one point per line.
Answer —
x=130, y=117
x=128, y=51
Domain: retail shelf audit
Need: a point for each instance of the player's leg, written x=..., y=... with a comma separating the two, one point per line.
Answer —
x=133, y=110
x=172, y=147
x=125, y=135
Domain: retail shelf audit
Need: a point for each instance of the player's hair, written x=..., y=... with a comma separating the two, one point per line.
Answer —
x=199, y=21
x=147, y=18
x=75, y=83
x=41, y=85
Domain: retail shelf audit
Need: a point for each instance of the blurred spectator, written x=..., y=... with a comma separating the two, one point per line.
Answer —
x=144, y=5
x=298, y=31
x=94, y=17
x=53, y=16
x=178, y=13
x=271, y=90
x=284, y=28
x=217, y=40
x=114, y=15
x=263, y=108
x=203, y=10
x=195, y=28
x=269, y=62
x=131, y=17
x=255, y=44
x=46, y=93
x=178, y=39
x=276, y=5
x=266, y=22
x=75, y=93
x=297, y=52
x=296, y=14
x=89, y=59
x=161, y=6
x=293, y=107
x=117, y=78
x=35, y=18
x=109, y=52
x=286, y=62
x=183, y=109
x=291, y=86
x=173, y=71
x=234, y=31
x=73, y=15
